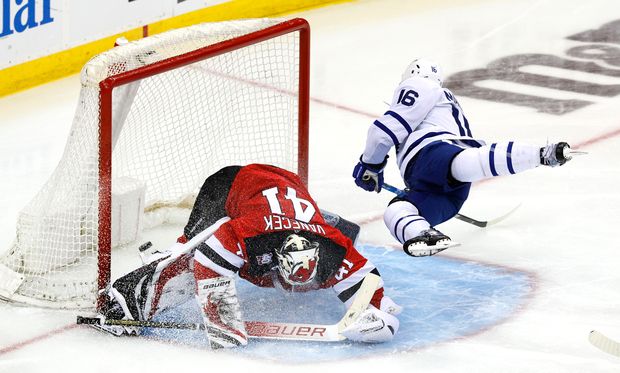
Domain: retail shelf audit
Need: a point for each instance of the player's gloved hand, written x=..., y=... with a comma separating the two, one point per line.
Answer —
x=373, y=326
x=369, y=176
x=389, y=306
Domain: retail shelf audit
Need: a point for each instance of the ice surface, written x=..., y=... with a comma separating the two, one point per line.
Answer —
x=520, y=296
x=443, y=299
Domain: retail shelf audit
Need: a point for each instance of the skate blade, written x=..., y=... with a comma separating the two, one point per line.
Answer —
x=116, y=331
x=424, y=250
x=572, y=152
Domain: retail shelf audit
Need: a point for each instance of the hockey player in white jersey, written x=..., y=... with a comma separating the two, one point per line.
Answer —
x=438, y=158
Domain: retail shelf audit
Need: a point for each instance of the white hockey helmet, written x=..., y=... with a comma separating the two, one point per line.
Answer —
x=298, y=260
x=424, y=68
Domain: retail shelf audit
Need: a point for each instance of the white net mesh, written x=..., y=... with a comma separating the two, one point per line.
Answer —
x=170, y=131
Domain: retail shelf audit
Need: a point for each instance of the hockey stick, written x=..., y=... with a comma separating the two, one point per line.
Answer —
x=467, y=219
x=272, y=330
x=604, y=343
x=255, y=329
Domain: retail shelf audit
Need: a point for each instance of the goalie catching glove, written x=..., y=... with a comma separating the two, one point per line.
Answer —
x=375, y=325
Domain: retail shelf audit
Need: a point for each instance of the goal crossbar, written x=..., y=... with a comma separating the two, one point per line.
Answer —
x=107, y=85
x=155, y=117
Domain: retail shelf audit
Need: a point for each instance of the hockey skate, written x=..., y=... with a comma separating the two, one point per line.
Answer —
x=554, y=155
x=115, y=330
x=113, y=311
x=429, y=242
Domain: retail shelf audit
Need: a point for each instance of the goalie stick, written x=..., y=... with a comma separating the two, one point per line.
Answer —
x=467, y=219
x=604, y=343
x=273, y=330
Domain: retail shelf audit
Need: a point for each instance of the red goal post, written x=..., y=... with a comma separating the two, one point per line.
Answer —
x=105, y=146
x=164, y=116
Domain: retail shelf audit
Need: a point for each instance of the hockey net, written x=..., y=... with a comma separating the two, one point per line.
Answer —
x=155, y=118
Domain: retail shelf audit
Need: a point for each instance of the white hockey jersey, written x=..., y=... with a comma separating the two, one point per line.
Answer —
x=421, y=112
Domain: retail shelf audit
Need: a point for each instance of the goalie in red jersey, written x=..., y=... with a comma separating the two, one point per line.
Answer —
x=260, y=222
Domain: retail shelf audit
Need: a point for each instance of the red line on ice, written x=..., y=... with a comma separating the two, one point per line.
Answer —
x=30, y=341
x=599, y=138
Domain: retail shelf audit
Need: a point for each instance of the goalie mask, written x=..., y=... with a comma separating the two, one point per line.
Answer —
x=298, y=259
x=425, y=69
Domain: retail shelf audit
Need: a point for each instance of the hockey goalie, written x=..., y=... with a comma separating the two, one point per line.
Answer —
x=260, y=223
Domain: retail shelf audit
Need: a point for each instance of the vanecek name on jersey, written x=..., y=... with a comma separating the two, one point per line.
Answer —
x=262, y=215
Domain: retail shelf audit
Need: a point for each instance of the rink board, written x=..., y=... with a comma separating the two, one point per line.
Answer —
x=444, y=299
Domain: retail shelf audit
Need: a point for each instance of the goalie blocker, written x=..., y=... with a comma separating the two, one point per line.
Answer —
x=257, y=221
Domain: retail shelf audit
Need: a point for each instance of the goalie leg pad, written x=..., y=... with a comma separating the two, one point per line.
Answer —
x=150, y=289
x=221, y=312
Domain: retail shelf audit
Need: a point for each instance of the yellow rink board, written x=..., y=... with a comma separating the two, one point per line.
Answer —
x=70, y=61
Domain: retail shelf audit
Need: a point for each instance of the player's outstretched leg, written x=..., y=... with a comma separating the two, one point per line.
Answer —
x=415, y=233
x=506, y=158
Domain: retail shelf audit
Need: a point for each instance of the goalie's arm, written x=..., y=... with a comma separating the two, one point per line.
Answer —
x=365, y=322
x=371, y=314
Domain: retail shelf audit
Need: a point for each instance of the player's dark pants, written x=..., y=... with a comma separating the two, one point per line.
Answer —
x=432, y=189
x=210, y=205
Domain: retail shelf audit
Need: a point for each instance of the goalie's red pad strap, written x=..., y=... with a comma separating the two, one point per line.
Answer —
x=376, y=298
x=202, y=273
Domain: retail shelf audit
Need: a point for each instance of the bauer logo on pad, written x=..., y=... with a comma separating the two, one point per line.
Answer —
x=216, y=284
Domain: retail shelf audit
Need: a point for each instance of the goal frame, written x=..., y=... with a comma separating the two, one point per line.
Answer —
x=105, y=121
